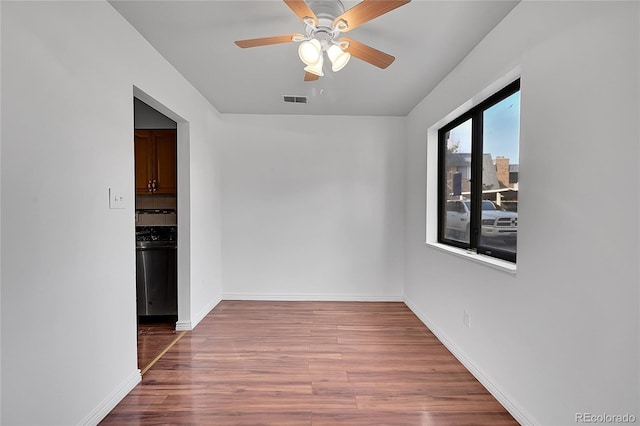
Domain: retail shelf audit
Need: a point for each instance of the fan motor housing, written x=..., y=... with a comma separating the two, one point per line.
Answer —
x=326, y=12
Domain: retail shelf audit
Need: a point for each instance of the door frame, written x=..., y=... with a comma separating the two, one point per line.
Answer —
x=183, y=205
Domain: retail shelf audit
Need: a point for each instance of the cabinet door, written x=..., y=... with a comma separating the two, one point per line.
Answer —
x=165, y=152
x=143, y=160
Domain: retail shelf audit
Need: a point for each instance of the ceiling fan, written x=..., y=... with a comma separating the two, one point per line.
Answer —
x=324, y=21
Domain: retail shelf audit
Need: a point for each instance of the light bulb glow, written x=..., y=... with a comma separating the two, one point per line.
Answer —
x=310, y=51
x=338, y=57
x=315, y=68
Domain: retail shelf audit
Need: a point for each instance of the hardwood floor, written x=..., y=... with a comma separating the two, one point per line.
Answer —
x=153, y=340
x=309, y=363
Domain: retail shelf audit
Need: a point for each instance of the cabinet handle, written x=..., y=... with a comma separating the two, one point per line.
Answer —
x=149, y=186
x=154, y=185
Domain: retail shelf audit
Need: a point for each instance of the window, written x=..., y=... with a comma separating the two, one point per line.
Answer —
x=478, y=159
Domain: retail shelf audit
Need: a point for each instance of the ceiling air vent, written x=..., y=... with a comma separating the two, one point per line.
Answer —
x=295, y=99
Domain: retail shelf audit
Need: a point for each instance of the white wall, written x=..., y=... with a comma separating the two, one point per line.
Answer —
x=0, y=216
x=68, y=261
x=205, y=215
x=561, y=337
x=313, y=207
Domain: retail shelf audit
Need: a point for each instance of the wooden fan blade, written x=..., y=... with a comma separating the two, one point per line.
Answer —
x=265, y=41
x=365, y=11
x=368, y=54
x=302, y=9
x=310, y=77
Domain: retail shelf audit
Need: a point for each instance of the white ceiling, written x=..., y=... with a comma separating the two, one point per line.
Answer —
x=427, y=37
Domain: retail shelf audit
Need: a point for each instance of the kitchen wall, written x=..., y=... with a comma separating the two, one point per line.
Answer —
x=314, y=204
x=156, y=202
x=145, y=117
x=561, y=336
x=68, y=313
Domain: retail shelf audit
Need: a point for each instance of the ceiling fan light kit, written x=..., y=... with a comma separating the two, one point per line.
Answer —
x=316, y=68
x=310, y=51
x=338, y=57
x=324, y=21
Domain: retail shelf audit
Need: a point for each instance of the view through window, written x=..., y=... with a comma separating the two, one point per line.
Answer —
x=478, y=172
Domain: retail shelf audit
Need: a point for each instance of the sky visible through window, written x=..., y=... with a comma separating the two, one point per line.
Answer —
x=501, y=130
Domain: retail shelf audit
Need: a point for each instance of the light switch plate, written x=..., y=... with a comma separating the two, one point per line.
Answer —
x=116, y=199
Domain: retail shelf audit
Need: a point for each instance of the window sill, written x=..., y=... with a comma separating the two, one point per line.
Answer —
x=492, y=262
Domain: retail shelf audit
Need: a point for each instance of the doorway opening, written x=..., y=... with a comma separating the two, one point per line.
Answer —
x=157, y=231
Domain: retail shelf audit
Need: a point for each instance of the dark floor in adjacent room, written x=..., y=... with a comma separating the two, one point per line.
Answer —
x=155, y=335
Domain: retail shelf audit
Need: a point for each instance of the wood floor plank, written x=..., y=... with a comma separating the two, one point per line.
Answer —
x=153, y=339
x=309, y=363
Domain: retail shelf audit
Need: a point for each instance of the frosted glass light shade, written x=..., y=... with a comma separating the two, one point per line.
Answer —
x=338, y=57
x=310, y=51
x=315, y=68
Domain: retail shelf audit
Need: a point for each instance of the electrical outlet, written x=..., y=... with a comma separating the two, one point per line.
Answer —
x=466, y=318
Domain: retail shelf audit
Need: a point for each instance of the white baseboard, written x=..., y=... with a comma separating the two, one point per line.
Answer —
x=183, y=326
x=190, y=325
x=109, y=403
x=310, y=297
x=503, y=398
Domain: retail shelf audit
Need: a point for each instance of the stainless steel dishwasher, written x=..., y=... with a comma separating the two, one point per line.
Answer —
x=156, y=278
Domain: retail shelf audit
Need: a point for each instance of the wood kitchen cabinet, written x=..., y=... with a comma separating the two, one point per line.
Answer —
x=155, y=158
